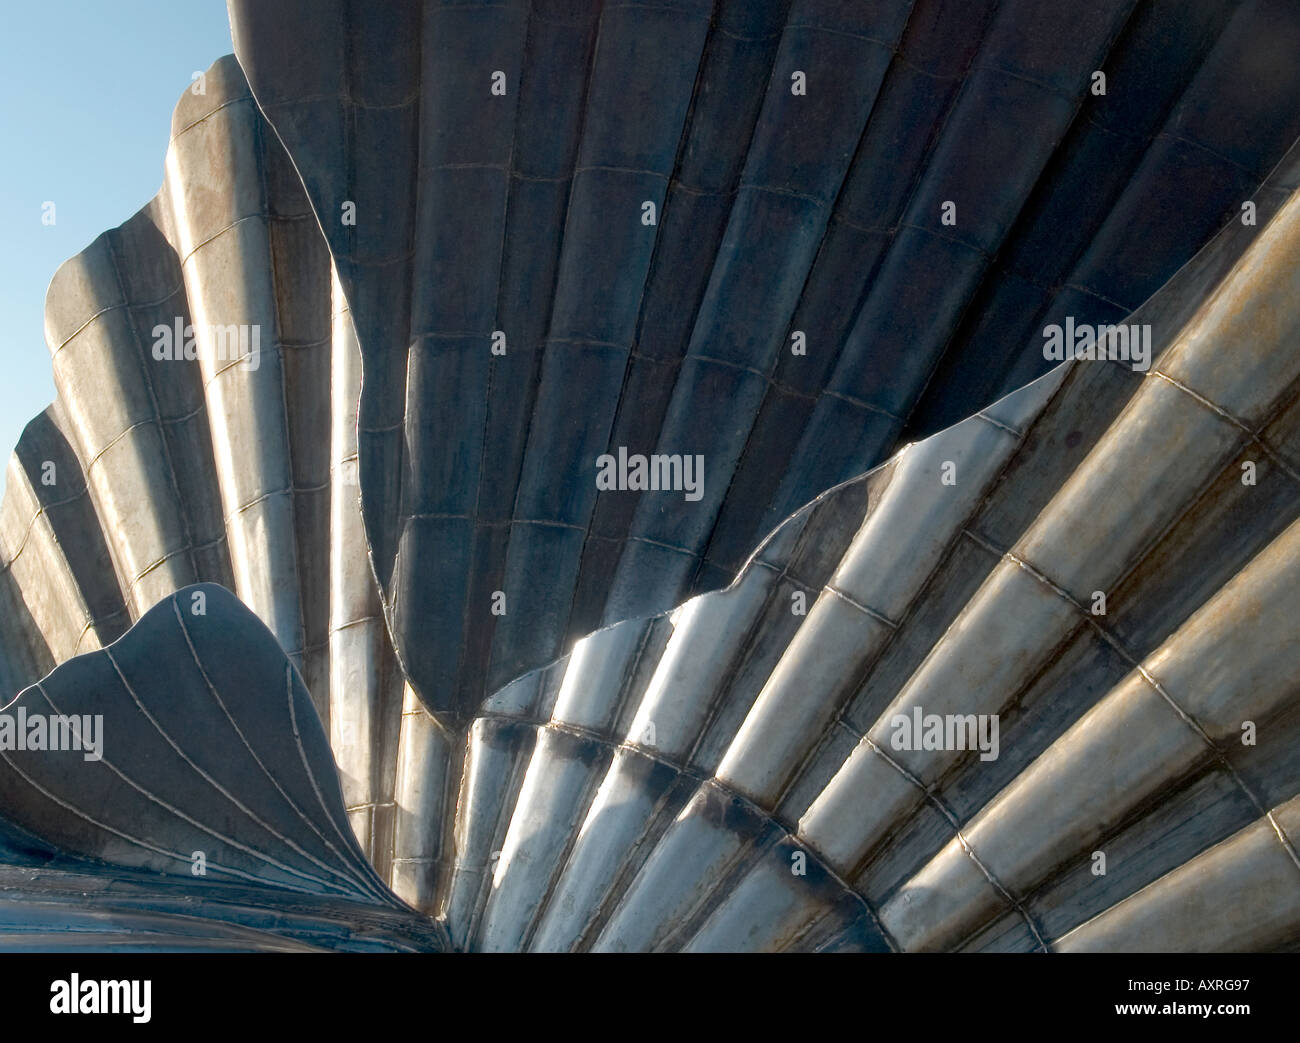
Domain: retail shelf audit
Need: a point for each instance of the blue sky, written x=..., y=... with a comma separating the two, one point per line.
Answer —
x=87, y=89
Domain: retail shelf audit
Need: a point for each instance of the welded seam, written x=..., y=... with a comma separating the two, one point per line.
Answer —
x=210, y=780
x=952, y=820
x=1159, y=689
x=216, y=695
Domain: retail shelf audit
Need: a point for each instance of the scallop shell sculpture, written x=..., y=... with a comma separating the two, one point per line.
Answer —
x=1096, y=567
x=140, y=837
x=784, y=236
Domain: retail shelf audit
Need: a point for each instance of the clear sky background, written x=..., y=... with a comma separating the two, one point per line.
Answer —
x=87, y=89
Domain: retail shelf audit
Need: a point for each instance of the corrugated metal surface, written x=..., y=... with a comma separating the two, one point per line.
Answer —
x=200, y=808
x=721, y=776
x=775, y=212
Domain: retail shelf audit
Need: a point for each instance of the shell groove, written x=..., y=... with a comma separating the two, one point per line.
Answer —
x=775, y=213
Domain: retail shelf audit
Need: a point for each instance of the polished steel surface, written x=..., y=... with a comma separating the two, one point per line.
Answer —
x=326, y=575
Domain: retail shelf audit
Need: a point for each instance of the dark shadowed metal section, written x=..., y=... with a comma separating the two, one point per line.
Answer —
x=781, y=236
x=180, y=772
